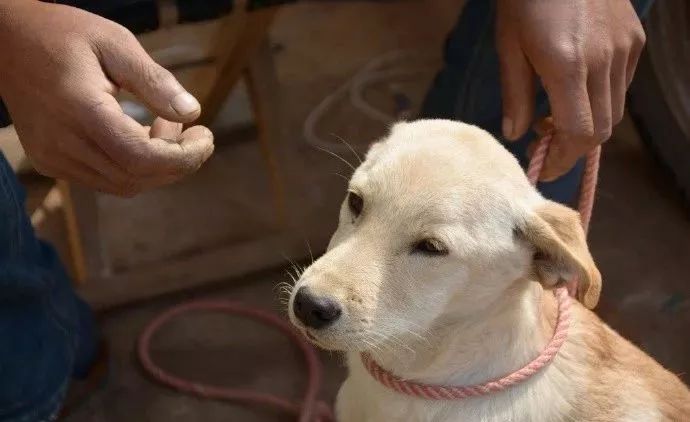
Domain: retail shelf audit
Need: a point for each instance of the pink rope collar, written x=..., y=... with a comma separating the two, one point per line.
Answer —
x=438, y=392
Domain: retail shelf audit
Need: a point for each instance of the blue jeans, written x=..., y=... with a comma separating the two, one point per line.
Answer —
x=47, y=335
x=468, y=88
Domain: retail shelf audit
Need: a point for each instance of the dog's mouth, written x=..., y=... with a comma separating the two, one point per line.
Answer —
x=318, y=342
x=324, y=340
x=335, y=340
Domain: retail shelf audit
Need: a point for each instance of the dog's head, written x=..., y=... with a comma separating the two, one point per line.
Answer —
x=439, y=221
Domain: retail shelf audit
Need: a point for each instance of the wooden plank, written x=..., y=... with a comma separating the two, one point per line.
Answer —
x=213, y=265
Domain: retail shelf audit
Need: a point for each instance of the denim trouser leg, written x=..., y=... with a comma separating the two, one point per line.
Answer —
x=468, y=88
x=47, y=335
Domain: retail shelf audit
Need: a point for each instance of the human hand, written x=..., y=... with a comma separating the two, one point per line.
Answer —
x=585, y=53
x=60, y=70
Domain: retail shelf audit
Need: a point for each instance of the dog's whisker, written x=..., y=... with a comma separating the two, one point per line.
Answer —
x=283, y=287
x=298, y=271
x=345, y=178
x=373, y=347
x=339, y=157
x=311, y=255
x=402, y=321
x=285, y=292
x=385, y=349
x=395, y=343
x=347, y=144
x=292, y=276
x=391, y=340
x=399, y=326
x=293, y=266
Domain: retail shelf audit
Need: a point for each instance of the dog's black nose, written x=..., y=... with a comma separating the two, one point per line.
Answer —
x=315, y=311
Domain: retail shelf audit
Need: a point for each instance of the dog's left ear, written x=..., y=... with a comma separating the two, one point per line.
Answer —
x=561, y=251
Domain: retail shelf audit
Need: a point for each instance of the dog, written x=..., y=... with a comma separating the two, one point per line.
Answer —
x=442, y=271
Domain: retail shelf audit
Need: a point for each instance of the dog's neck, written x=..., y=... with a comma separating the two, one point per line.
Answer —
x=467, y=350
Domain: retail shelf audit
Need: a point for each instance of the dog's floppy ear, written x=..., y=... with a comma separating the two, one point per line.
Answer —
x=561, y=251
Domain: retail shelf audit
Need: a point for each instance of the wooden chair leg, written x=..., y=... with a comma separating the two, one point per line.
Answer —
x=81, y=217
x=231, y=62
x=73, y=236
x=264, y=94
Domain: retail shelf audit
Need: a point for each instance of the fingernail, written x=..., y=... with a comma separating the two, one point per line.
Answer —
x=508, y=128
x=185, y=104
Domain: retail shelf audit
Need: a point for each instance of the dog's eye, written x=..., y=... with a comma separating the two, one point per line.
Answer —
x=431, y=247
x=356, y=203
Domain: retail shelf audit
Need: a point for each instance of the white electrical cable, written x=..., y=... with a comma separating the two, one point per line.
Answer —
x=385, y=67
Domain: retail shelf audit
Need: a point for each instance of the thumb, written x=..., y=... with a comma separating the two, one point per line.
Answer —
x=517, y=88
x=127, y=63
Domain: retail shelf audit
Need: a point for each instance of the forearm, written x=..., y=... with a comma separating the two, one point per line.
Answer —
x=9, y=24
x=9, y=16
x=17, y=32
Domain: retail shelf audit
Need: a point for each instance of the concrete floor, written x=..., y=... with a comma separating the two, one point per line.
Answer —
x=640, y=236
x=215, y=349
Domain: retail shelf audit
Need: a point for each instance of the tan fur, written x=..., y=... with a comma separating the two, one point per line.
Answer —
x=556, y=232
x=613, y=362
x=484, y=308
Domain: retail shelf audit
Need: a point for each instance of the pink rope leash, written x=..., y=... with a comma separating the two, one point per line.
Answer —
x=310, y=410
x=437, y=392
x=588, y=185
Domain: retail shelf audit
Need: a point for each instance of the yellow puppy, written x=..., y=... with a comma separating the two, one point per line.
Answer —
x=441, y=269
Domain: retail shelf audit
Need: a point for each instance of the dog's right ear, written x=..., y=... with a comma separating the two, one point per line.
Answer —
x=561, y=251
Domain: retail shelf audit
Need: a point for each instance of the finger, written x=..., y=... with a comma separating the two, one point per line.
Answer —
x=544, y=126
x=634, y=55
x=572, y=116
x=129, y=144
x=600, y=99
x=75, y=171
x=130, y=67
x=94, y=169
x=81, y=149
x=164, y=129
x=619, y=85
x=517, y=88
x=199, y=139
x=108, y=177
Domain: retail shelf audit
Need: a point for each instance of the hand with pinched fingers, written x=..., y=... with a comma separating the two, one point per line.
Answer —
x=60, y=70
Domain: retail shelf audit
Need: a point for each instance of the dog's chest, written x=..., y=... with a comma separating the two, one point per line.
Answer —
x=362, y=399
